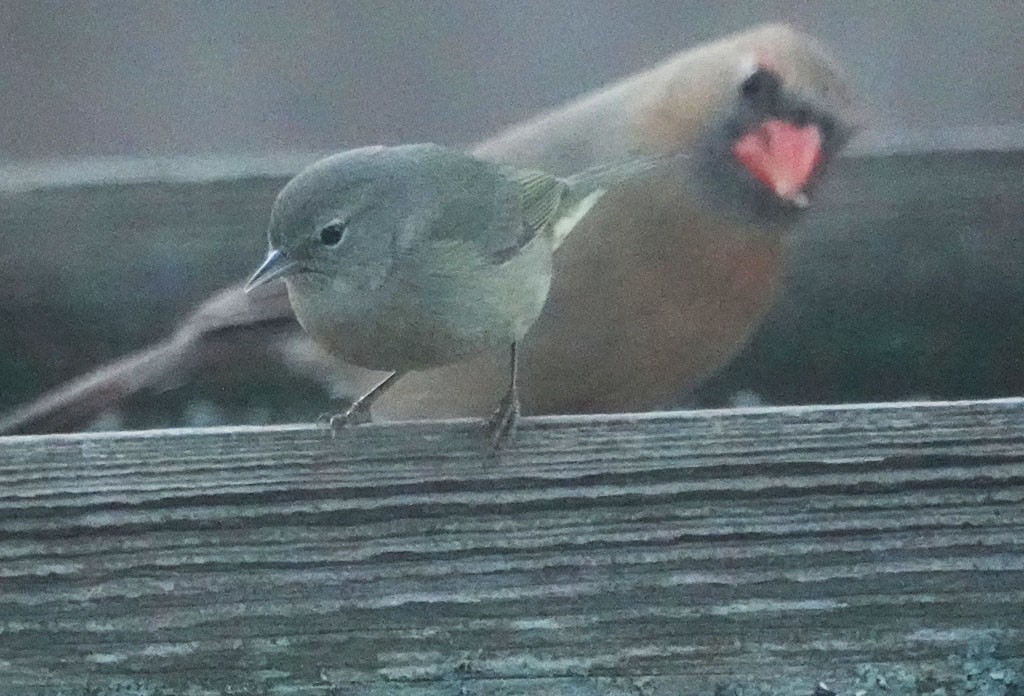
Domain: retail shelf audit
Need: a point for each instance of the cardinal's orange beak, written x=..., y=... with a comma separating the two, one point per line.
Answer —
x=781, y=155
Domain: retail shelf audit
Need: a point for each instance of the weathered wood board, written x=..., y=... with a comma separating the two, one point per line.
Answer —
x=876, y=548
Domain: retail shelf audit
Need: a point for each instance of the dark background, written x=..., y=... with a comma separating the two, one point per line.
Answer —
x=183, y=77
x=905, y=281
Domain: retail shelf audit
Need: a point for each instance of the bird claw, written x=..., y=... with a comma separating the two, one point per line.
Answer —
x=356, y=414
x=502, y=425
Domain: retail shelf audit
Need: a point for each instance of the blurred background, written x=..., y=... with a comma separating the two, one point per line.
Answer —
x=127, y=78
x=910, y=288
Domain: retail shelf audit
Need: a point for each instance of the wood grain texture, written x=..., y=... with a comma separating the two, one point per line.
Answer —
x=660, y=553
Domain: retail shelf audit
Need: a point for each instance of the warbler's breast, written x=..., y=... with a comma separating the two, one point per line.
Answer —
x=443, y=306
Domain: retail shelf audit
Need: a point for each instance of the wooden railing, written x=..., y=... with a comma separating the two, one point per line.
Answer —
x=874, y=548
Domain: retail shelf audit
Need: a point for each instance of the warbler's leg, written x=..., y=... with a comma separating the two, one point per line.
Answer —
x=502, y=424
x=359, y=411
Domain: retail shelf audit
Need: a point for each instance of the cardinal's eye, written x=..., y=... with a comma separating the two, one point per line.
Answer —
x=332, y=233
x=761, y=82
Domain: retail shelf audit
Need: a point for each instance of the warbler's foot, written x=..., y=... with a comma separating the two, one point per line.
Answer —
x=502, y=425
x=356, y=414
x=359, y=411
x=338, y=406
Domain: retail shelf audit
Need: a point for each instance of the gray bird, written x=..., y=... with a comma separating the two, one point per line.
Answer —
x=413, y=257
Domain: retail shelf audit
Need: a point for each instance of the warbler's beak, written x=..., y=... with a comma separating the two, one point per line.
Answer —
x=276, y=265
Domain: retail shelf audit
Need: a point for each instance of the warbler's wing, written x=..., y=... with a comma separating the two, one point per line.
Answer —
x=525, y=204
x=541, y=195
x=497, y=209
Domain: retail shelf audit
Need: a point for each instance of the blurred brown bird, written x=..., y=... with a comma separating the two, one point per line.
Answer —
x=660, y=285
x=653, y=291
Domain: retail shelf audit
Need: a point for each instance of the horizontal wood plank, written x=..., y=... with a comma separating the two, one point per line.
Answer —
x=647, y=554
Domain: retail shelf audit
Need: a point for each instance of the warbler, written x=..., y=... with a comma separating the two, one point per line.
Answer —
x=416, y=256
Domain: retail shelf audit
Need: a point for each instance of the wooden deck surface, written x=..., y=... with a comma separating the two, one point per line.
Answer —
x=874, y=548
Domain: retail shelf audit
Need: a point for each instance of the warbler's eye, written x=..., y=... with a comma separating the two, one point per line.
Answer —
x=332, y=233
x=761, y=82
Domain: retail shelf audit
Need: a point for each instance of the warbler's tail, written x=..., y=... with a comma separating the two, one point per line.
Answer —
x=584, y=189
x=610, y=174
